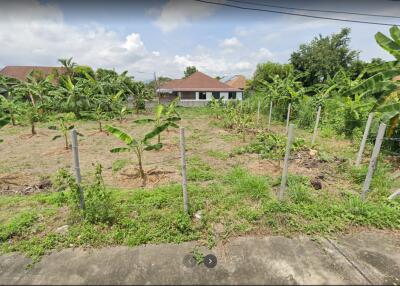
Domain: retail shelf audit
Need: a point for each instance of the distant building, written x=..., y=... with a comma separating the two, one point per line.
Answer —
x=237, y=81
x=197, y=90
x=21, y=72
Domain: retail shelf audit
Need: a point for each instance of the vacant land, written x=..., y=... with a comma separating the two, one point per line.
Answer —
x=232, y=189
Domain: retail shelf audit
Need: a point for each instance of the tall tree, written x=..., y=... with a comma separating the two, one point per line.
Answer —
x=189, y=71
x=323, y=57
x=267, y=72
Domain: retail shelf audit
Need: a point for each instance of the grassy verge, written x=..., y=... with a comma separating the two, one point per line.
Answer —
x=236, y=201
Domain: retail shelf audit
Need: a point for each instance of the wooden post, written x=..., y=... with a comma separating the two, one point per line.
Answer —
x=270, y=115
x=286, y=162
x=364, y=140
x=183, y=162
x=288, y=117
x=374, y=159
x=258, y=112
x=75, y=153
x=316, y=126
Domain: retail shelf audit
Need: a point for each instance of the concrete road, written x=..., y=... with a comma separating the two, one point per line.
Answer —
x=362, y=258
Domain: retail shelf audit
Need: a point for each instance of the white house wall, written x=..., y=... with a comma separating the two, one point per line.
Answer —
x=223, y=95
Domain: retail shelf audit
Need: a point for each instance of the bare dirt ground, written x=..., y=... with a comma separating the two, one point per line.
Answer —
x=28, y=161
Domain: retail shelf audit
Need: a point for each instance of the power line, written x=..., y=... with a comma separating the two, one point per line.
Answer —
x=314, y=10
x=296, y=14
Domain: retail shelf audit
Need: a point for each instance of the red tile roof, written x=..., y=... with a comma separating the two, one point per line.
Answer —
x=21, y=72
x=238, y=81
x=196, y=82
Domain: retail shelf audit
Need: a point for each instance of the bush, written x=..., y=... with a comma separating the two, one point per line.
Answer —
x=269, y=146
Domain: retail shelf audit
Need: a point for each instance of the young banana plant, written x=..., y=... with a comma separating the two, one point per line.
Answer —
x=63, y=128
x=163, y=116
x=137, y=146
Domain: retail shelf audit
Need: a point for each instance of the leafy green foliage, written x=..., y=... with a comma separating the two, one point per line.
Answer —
x=323, y=57
x=138, y=146
x=17, y=225
x=189, y=71
x=270, y=146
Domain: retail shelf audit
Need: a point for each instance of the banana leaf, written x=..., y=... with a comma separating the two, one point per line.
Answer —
x=388, y=44
x=120, y=149
x=121, y=135
x=142, y=121
x=157, y=146
x=155, y=131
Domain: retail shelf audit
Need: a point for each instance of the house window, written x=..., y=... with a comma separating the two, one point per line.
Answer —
x=232, y=95
x=215, y=94
x=202, y=95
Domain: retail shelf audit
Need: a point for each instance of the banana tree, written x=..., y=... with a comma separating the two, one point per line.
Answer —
x=3, y=122
x=163, y=116
x=137, y=146
x=77, y=100
x=383, y=82
x=63, y=127
x=11, y=107
x=30, y=114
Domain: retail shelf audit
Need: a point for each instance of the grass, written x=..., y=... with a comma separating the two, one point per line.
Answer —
x=198, y=170
x=243, y=203
x=233, y=198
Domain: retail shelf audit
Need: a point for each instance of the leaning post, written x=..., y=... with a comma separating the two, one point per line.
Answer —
x=364, y=139
x=316, y=126
x=288, y=117
x=270, y=115
x=183, y=163
x=75, y=153
x=286, y=162
x=374, y=159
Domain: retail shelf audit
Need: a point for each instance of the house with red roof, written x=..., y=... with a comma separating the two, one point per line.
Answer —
x=22, y=72
x=197, y=90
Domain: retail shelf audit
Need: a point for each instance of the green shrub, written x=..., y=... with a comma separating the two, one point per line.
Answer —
x=17, y=226
x=270, y=146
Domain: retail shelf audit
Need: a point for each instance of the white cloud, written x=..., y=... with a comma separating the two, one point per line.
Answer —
x=231, y=43
x=180, y=12
x=35, y=34
x=263, y=54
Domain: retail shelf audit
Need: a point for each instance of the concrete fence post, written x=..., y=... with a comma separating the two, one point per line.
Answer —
x=288, y=117
x=270, y=115
x=183, y=163
x=316, y=126
x=364, y=139
x=374, y=159
x=75, y=154
x=286, y=162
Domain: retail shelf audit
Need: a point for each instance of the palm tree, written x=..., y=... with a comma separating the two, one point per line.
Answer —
x=69, y=65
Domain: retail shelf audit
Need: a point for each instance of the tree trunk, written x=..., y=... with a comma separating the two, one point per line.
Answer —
x=141, y=171
x=159, y=138
x=66, y=142
x=100, y=126
x=32, y=100
x=33, y=131
x=12, y=119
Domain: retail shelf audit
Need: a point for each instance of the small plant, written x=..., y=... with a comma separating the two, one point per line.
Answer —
x=163, y=115
x=198, y=255
x=99, y=204
x=137, y=146
x=269, y=146
x=63, y=127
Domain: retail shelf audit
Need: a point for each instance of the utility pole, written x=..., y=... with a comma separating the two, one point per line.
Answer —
x=156, y=88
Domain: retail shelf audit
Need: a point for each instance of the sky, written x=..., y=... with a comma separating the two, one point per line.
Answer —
x=165, y=36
